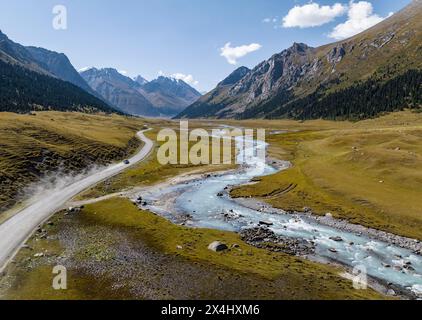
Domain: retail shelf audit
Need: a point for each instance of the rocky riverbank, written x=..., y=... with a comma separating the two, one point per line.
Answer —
x=328, y=220
x=263, y=238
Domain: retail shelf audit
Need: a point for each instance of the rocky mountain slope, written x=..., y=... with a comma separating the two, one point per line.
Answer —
x=375, y=71
x=59, y=65
x=211, y=103
x=16, y=54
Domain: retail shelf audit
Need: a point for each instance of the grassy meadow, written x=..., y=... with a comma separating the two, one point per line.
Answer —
x=151, y=171
x=368, y=172
x=33, y=145
x=243, y=272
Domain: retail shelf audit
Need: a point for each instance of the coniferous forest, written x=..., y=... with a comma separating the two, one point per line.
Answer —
x=23, y=90
x=360, y=101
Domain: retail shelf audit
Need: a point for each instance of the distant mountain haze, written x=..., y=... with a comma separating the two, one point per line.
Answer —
x=120, y=91
x=169, y=95
x=162, y=97
x=376, y=71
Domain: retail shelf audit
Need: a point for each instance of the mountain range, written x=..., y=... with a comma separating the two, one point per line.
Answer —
x=163, y=96
x=93, y=90
x=376, y=71
x=119, y=91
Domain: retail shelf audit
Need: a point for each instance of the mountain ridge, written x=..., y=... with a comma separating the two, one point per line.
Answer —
x=60, y=66
x=41, y=60
x=207, y=104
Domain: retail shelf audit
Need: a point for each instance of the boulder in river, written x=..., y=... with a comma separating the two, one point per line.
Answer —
x=337, y=239
x=409, y=268
x=266, y=223
x=217, y=246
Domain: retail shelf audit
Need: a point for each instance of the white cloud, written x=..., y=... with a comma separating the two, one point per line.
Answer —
x=313, y=15
x=360, y=18
x=232, y=54
x=124, y=72
x=188, y=78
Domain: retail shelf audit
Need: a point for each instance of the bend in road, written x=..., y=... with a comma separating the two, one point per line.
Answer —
x=16, y=230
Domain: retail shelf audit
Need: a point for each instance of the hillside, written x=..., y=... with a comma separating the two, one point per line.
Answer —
x=39, y=79
x=16, y=54
x=23, y=90
x=59, y=65
x=376, y=71
x=32, y=146
x=41, y=60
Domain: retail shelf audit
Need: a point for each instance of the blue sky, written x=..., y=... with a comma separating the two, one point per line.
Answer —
x=182, y=37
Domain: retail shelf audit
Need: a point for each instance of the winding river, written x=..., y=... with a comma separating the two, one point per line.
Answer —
x=200, y=198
